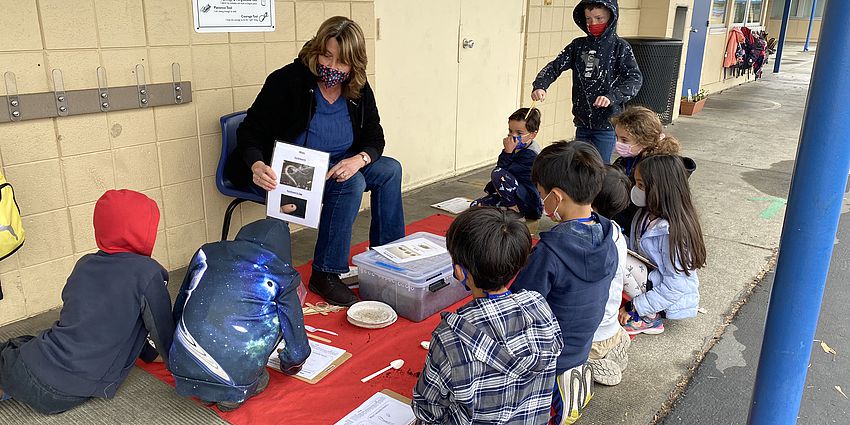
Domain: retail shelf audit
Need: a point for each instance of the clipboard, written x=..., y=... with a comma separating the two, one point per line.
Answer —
x=649, y=265
x=396, y=396
x=327, y=370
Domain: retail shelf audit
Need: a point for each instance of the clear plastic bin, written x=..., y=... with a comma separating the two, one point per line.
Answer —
x=416, y=290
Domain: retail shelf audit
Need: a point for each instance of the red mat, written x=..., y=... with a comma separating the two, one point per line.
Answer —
x=290, y=401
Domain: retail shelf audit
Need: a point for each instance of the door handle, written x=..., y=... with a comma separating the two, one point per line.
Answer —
x=694, y=29
x=468, y=43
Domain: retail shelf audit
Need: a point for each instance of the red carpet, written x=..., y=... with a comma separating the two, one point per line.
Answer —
x=290, y=401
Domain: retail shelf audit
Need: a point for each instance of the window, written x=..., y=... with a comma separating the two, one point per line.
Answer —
x=739, y=11
x=799, y=9
x=754, y=16
x=718, y=12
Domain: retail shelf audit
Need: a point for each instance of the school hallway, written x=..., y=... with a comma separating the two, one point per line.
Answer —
x=743, y=143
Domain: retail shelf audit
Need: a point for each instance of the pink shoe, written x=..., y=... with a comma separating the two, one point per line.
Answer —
x=634, y=327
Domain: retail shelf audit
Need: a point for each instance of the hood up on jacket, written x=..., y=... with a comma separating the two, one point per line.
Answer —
x=578, y=15
x=270, y=233
x=125, y=221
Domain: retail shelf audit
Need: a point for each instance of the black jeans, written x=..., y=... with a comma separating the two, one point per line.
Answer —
x=17, y=381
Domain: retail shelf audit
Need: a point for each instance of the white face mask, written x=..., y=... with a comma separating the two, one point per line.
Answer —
x=554, y=214
x=638, y=197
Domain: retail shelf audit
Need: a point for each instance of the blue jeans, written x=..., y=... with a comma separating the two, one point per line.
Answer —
x=17, y=381
x=603, y=140
x=341, y=204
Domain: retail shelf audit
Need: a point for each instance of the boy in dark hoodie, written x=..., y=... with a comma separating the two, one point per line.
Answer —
x=493, y=361
x=238, y=300
x=573, y=264
x=605, y=74
x=111, y=302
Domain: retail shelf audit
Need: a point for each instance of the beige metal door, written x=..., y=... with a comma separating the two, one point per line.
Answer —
x=416, y=88
x=490, y=56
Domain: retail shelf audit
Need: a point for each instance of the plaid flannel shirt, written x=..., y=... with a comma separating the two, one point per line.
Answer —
x=492, y=362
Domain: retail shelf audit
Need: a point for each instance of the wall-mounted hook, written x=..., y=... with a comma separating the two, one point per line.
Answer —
x=102, y=89
x=14, y=102
x=59, y=93
x=178, y=87
x=141, y=87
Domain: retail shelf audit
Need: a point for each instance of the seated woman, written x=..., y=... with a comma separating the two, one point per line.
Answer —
x=323, y=101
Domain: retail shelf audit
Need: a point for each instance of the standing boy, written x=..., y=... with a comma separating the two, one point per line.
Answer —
x=492, y=362
x=573, y=264
x=605, y=74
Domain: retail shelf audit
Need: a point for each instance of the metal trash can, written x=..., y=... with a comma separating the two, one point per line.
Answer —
x=659, y=60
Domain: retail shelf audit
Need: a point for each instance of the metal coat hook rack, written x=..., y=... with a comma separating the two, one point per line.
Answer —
x=103, y=98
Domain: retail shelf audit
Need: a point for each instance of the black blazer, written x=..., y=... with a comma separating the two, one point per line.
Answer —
x=283, y=110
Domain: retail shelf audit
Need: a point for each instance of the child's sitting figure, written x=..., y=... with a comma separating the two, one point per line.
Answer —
x=510, y=183
x=609, y=352
x=492, y=362
x=115, y=309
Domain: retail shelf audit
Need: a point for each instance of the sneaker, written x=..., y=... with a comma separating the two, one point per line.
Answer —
x=606, y=371
x=620, y=352
x=634, y=327
x=330, y=287
x=227, y=406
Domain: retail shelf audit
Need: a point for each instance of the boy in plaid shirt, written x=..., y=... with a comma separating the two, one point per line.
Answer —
x=493, y=361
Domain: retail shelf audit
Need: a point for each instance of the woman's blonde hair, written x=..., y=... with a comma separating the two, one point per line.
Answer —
x=646, y=128
x=352, y=51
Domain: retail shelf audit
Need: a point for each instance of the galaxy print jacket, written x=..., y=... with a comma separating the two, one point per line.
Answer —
x=238, y=300
x=602, y=66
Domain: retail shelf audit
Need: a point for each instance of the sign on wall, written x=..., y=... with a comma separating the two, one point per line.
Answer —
x=233, y=15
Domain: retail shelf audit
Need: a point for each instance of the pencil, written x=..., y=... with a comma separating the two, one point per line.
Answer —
x=318, y=338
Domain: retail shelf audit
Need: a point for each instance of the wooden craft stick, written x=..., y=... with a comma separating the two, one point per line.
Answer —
x=316, y=309
x=533, y=102
x=318, y=338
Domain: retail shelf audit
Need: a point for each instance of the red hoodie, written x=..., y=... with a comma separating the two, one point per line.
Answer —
x=125, y=221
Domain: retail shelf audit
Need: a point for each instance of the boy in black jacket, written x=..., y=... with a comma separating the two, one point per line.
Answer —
x=112, y=301
x=605, y=74
x=510, y=183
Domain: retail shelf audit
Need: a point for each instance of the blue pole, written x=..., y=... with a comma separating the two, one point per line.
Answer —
x=782, y=31
x=811, y=23
x=808, y=234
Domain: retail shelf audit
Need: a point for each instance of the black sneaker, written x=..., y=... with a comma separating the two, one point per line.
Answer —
x=330, y=287
x=226, y=406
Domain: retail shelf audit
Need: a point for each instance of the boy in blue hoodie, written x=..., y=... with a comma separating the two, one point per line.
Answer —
x=112, y=301
x=605, y=74
x=573, y=264
x=238, y=300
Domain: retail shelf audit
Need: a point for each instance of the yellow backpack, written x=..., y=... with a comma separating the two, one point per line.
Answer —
x=11, y=229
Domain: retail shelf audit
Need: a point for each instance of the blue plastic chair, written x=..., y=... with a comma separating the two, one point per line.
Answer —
x=229, y=124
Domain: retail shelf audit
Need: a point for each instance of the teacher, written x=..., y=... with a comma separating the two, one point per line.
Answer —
x=323, y=101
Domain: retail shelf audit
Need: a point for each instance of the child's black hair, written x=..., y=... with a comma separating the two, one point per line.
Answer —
x=532, y=124
x=491, y=244
x=614, y=196
x=574, y=167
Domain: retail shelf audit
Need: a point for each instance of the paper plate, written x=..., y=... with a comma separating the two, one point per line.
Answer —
x=371, y=315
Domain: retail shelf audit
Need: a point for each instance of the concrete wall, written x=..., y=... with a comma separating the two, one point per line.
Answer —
x=59, y=167
x=797, y=29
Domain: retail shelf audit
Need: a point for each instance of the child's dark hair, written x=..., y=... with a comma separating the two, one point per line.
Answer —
x=574, y=167
x=668, y=196
x=532, y=124
x=491, y=244
x=592, y=6
x=614, y=196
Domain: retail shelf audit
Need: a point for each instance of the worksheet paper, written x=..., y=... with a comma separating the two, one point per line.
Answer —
x=301, y=184
x=412, y=250
x=454, y=205
x=322, y=356
x=380, y=409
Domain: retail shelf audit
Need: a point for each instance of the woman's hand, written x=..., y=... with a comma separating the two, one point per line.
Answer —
x=538, y=95
x=345, y=169
x=264, y=176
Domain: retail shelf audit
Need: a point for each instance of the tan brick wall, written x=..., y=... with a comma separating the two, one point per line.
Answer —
x=550, y=28
x=59, y=167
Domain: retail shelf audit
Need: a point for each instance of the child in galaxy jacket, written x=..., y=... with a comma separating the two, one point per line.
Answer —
x=113, y=300
x=605, y=74
x=239, y=298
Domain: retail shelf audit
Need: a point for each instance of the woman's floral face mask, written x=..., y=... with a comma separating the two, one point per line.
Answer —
x=331, y=77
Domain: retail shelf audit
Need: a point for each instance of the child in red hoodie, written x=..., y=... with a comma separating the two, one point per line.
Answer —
x=113, y=300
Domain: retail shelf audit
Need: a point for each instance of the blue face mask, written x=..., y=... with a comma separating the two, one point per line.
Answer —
x=465, y=278
x=519, y=143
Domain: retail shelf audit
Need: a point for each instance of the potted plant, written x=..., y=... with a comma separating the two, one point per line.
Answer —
x=691, y=105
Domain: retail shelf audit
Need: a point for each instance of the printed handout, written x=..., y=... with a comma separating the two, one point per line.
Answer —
x=301, y=174
x=412, y=250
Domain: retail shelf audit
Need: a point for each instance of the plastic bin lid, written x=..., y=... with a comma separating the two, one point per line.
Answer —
x=414, y=271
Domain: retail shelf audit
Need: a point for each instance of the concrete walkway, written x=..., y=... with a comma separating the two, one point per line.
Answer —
x=743, y=142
